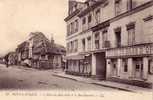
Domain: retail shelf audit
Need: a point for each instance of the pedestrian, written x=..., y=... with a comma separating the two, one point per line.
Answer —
x=6, y=60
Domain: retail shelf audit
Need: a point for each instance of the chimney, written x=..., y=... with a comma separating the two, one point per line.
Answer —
x=52, y=39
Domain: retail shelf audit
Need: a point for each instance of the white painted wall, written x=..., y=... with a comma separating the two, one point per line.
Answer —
x=143, y=30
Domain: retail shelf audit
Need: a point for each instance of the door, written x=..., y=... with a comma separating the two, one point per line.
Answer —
x=138, y=69
x=100, y=65
x=115, y=69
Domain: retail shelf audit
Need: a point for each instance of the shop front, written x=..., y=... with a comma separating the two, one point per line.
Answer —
x=79, y=65
x=130, y=64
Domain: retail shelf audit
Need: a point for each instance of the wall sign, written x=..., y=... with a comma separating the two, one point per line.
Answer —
x=130, y=51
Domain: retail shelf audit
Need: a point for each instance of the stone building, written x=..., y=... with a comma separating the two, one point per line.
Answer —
x=45, y=52
x=111, y=39
x=85, y=48
x=40, y=52
x=129, y=59
x=22, y=53
x=12, y=58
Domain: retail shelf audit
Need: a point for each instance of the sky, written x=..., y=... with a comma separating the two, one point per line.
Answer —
x=20, y=17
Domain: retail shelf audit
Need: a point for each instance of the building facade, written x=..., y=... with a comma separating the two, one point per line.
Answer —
x=22, y=52
x=40, y=52
x=113, y=39
x=12, y=58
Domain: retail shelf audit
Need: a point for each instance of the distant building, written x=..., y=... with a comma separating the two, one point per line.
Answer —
x=22, y=53
x=40, y=52
x=2, y=61
x=12, y=58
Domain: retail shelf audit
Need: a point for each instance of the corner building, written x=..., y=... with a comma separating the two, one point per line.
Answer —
x=111, y=39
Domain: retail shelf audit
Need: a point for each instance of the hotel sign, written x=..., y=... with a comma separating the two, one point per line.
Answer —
x=138, y=50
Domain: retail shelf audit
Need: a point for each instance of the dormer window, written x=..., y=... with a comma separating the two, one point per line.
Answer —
x=84, y=20
x=118, y=7
x=75, y=6
x=98, y=16
x=131, y=4
x=89, y=18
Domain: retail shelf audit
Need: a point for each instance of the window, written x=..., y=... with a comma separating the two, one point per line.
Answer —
x=114, y=66
x=131, y=33
x=84, y=21
x=89, y=42
x=76, y=25
x=104, y=37
x=83, y=44
x=71, y=46
x=118, y=36
x=76, y=45
x=137, y=67
x=131, y=4
x=68, y=47
x=98, y=16
x=68, y=30
x=125, y=62
x=71, y=28
x=89, y=18
x=97, y=40
x=75, y=6
x=118, y=7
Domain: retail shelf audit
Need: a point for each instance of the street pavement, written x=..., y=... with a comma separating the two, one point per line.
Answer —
x=20, y=78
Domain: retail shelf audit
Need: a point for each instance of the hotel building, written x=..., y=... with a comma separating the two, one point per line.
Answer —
x=111, y=39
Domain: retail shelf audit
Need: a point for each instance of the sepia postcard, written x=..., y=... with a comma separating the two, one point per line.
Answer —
x=76, y=49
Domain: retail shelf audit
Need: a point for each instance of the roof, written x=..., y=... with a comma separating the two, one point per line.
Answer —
x=92, y=7
x=72, y=15
x=46, y=46
x=57, y=49
x=22, y=46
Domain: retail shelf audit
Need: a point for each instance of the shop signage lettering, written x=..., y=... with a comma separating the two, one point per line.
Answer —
x=129, y=51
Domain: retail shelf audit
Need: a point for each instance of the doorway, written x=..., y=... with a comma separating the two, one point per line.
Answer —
x=100, y=65
x=138, y=66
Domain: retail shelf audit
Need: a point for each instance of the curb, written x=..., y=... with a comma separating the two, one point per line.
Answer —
x=123, y=89
x=104, y=85
x=64, y=77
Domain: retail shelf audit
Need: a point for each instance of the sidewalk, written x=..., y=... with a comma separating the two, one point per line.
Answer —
x=109, y=84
